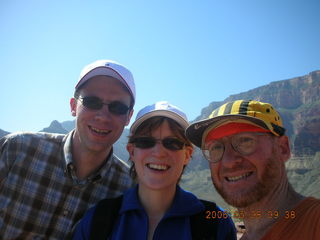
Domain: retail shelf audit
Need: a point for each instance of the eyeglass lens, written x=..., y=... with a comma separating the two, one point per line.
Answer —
x=95, y=103
x=170, y=143
x=244, y=144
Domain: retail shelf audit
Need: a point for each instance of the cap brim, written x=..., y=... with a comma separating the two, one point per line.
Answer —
x=159, y=113
x=195, y=131
x=105, y=71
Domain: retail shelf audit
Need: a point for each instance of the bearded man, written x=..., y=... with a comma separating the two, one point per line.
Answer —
x=246, y=146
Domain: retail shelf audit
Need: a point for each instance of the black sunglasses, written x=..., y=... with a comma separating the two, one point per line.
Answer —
x=95, y=103
x=170, y=143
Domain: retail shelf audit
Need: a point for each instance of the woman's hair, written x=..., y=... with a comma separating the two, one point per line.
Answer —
x=153, y=123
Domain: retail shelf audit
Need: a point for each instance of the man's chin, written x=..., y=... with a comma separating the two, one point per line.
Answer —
x=239, y=201
x=243, y=199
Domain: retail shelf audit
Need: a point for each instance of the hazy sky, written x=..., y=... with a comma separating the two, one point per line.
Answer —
x=189, y=52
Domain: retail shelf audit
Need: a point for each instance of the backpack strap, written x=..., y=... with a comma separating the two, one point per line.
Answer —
x=104, y=217
x=202, y=226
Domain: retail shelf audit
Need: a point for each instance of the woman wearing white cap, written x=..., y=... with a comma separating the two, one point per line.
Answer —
x=157, y=208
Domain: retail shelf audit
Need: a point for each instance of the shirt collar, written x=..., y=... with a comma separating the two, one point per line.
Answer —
x=67, y=152
x=184, y=203
x=131, y=200
x=67, y=148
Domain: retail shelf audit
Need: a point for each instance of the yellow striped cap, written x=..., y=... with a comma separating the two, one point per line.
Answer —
x=258, y=113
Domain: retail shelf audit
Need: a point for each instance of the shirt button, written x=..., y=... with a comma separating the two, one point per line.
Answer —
x=65, y=212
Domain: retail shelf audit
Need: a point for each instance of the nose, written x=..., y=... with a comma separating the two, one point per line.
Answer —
x=158, y=150
x=103, y=114
x=230, y=157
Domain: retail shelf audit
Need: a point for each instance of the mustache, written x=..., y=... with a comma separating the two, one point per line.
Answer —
x=225, y=170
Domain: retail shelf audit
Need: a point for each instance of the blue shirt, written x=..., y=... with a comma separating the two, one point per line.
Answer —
x=132, y=222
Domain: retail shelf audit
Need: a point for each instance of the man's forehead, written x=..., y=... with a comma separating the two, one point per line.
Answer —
x=110, y=82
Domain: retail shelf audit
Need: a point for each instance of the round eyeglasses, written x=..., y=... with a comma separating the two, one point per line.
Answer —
x=243, y=143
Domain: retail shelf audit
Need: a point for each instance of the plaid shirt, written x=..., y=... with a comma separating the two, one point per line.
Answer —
x=40, y=195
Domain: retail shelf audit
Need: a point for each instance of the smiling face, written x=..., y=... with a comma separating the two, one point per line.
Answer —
x=97, y=130
x=244, y=180
x=158, y=167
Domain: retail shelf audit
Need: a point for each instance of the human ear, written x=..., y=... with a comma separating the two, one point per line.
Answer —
x=130, y=150
x=129, y=117
x=188, y=154
x=73, y=107
x=284, y=148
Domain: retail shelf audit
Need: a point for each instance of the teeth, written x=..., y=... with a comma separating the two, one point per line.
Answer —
x=157, y=167
x=99, y=130
x=233, y=179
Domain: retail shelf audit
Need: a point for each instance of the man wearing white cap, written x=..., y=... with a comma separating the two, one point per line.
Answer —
x=47, y=181
x=246, y=146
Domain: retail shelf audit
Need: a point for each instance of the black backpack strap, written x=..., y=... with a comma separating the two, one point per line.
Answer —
x=104, y=217
x=203, y=226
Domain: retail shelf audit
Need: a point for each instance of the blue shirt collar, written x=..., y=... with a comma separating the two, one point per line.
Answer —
x=184, y=203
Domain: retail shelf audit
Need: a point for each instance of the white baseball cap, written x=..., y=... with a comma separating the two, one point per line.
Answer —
x=108, y=68
x=164, y=109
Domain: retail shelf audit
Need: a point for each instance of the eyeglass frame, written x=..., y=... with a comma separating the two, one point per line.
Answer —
x=82, y=99
x=162, y=141
x=235, y=148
